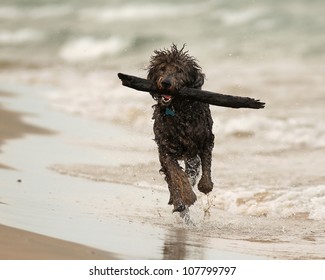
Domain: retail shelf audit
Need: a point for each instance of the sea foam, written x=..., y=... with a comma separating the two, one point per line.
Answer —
x=20, y=36
x=302, y=201
x=90, y=48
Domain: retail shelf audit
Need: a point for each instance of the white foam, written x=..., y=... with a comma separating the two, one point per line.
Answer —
x=308, y=201
x=20, y=36
x=99, y=95
x=90, y=48
x=40, y=12
x=138, y=12
x=10, y=12
x=232, y=17
x=295, y=132
x=49, y=11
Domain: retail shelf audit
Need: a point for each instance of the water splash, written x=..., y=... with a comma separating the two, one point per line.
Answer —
x=185, y=215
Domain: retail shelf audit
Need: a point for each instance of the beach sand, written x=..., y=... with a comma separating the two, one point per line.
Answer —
x=12, y=126
x=17, y=244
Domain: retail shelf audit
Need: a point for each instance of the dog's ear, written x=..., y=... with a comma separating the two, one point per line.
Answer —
x=199, y=80
x=154, y=96
x=150, y=76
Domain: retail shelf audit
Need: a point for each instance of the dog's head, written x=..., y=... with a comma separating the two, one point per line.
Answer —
x=173, y=69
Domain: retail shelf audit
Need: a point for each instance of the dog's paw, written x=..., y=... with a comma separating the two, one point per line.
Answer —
x=205, y=186
x=182, y=203
x=179, y=207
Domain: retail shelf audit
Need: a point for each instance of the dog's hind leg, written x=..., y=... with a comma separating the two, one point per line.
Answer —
x=181, y=193
x=192, y=169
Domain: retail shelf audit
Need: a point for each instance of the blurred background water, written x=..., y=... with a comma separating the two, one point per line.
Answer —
x=109, y=33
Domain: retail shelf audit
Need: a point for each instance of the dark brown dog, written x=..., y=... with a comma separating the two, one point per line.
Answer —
x=182, y=128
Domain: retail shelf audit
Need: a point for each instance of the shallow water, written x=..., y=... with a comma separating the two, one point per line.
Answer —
x=110, y=204
x=100, y=214
x=268, y=165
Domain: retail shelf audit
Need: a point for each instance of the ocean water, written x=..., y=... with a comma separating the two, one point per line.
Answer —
x=266, y=163
x=111, y=32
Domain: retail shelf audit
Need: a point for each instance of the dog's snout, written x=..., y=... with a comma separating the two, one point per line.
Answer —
x=166, y=83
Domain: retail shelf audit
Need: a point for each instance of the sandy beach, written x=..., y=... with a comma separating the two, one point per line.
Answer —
x=19, y=244
x=13, y=126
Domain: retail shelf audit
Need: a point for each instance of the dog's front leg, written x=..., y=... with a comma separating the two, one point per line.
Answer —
x=181, y=193
x=205, y=184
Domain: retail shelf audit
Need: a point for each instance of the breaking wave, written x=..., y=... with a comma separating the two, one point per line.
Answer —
x=89, y=48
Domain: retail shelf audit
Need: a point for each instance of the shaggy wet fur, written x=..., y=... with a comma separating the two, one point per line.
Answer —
x=182, y=128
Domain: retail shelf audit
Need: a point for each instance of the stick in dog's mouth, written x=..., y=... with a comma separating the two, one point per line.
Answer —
x=209, y=97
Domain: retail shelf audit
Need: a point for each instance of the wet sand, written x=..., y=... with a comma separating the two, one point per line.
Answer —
x=14, y=127
x=19, y=244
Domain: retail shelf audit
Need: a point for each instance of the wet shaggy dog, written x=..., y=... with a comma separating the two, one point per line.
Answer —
x=182, y=127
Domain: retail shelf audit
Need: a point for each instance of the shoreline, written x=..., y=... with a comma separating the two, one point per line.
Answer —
x=18, y=244
x=15, y=127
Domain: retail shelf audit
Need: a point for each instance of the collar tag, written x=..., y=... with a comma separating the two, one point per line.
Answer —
x=169, y=112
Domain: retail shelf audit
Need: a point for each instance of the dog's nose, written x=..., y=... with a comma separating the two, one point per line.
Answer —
x=166, y=83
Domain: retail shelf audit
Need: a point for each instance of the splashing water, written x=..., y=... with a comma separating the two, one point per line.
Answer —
x=185, y=215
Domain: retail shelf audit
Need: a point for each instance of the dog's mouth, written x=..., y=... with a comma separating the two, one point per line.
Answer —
x=166, y=99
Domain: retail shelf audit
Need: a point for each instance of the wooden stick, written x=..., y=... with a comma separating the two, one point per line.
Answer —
x=212, y=98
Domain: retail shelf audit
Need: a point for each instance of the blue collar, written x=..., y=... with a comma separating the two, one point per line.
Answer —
x=169, y=112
